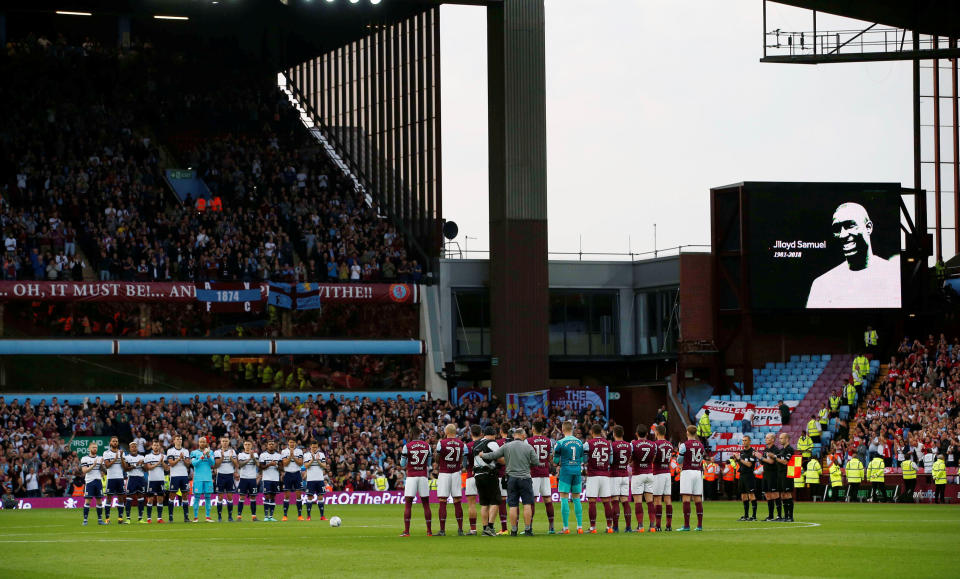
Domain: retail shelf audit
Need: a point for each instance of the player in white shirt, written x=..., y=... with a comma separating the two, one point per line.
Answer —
x=154, y=465
x=249, y=487
x=225, y=461
x=136, y=484
x=292, y=459
x=90, y=468
x=178, y=458
x=270, y=475
x=112, y=464
x=315, y=462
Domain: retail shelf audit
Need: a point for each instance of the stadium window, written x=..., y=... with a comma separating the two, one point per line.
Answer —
x=583, y=323
x=471, y=322
x=656, y=326
x=557, y=321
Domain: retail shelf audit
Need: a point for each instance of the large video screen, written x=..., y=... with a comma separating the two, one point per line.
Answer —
x=824, y=246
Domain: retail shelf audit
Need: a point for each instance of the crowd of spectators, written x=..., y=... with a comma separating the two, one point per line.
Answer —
x=913, y=413
x=362, y=438
x=84, y=167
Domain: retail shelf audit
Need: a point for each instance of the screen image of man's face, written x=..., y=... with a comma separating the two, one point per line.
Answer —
x=852, y=228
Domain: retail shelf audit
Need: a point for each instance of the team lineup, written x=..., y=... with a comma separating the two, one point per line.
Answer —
x=152, y=479
x=497, y=471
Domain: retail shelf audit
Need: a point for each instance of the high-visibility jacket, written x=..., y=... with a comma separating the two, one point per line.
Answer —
x=728, y=472
x=201, y=205
x=836, y=475
x=710, y=471
x=703, y=426
x=225, y=363
x=758, y=471
x=813, y=428
x=278, y=379
x=824, y=418
x=248, y=371
x=553, y=481
x=267, y=375
x=875, y=470
x=675, y=469
x=851, y=394
x=216, y=360
x=870, y=338
x=812, y=476
x=805, y=445
x=78, y=491
x=433, y=484
x=854, y=470
x=909, y=469
x=216, y=204
x=380, y=483
x=939, y=473
x=288, y=384
x=835, y=403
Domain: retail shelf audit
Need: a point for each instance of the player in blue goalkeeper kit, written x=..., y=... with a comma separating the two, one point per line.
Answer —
x=569, y=455
x=202, y=461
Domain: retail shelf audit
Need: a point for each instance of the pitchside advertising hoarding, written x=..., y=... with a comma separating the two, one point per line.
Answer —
x=824, y=245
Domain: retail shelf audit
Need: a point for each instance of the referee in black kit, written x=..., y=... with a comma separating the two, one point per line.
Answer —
x=748, y=483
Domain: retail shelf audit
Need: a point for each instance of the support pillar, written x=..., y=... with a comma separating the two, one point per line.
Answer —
x=518, y=196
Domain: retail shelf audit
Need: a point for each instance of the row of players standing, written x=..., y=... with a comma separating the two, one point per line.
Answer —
x=616, y=471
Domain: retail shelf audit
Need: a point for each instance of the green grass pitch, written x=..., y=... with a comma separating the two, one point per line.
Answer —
x=860, y=540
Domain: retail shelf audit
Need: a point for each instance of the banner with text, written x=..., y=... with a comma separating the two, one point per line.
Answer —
x=581, y=398
x=728, y=411
x=80, y=444
x=528, y=403
x=173, y=292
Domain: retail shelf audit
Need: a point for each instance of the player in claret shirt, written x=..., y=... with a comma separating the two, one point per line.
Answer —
x=661, y=477
x=691, y=454
x=597, y=451
x=541, y=474
x=642, y=483
x=471, y=488
x=620, y=479
x=416, y=457
x=450, y=458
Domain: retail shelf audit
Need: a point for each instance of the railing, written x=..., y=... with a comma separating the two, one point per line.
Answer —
x=451, y=250
x=871, y=39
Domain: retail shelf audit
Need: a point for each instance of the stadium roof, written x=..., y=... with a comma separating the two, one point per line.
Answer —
x=938, y=17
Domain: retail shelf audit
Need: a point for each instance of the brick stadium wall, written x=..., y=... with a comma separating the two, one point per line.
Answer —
x=696, y=315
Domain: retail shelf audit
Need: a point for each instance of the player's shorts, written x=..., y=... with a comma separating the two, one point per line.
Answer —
x=202, y=487
x=155, y=487
x=488, y=490
x=519, y=490
x=448, y=485
x=771, y=484
x=662, y=484
x=136, y=485
x=691, y=482
x=786, y=484
x=619, y=486
x=179, y=483
x=569, y=482
x=541, y=487
x=641, y=484
x=598, y=486
x=471, y=490
x=315, y=487
x=292, y=481
x=271, y=487
x=416, y=486
x=93, y=489
x=747, y=485
x=225, y=483
x=248, y=486
x=115, y=486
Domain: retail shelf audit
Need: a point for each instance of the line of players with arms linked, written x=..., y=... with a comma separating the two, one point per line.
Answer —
x=616, y=471
x=147, y=481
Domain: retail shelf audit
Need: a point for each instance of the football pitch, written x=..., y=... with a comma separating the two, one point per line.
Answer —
x=827, y=540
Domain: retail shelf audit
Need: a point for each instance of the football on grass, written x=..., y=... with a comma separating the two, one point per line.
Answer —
x=335, y=521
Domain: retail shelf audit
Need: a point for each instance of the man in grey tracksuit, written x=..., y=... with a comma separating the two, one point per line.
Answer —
x=518, y=457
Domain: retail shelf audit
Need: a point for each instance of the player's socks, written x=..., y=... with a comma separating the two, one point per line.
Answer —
x=322, y=506
x=140, y=502
x=240, y=508
x=638, y=511
x=746, y=509
x=593, y=515
x=770, y=509
x=578, y=511
x=299, y=508
x=503, y=515
x=565, y=512
x=615, y=512
x=779, y=508
x=170, y=510
x=669, y=516
x=608, y=513
x=107, y=509
x=686, y=515
x=626, y=516
x=651, y=514
x=753, y=505
x=286, y=506
x=458, y=512
x=309, y=508
x=253, y=508
x=206, y=505
x=219, y=510
x=129, y=506
x=149, y=511
x=407, y=513
x=186, y=509
x=99, y=513
x=699, y=515
x=427, y=516
x=659, y=514
x=86, y=512
x=442, y=515
x=550, y=513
